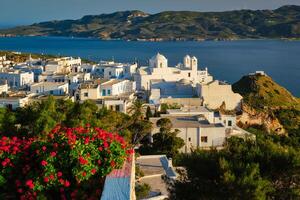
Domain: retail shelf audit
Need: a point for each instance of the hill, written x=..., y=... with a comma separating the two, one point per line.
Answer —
x=261, y=92
x=269, y=104
x=283, y=22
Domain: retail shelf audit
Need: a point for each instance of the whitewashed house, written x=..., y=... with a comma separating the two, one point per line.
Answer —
x=17, y=78
x=88, y=91
x=115, y=87
x=111, y=69
x=201, y=128
x=61, y=65
x=14, y=100
x=3, y=88
x=51, y=88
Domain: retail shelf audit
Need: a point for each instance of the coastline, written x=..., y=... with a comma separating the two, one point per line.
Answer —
x=156, y=39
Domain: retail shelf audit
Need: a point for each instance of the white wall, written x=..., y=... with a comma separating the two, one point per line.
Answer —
x=215, y=94
x=47, y=88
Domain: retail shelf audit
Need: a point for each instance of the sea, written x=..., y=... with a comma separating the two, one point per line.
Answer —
x=225, y=60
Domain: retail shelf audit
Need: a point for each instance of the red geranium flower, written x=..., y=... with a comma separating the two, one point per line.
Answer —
x=30, y=184
x=67, y=183
x=46, y=179
x=59, y=174
x=112, y=163
x=83, y=173
x=93, y=171
x=82, y=161
x=105, y=144
x=51, y=176
x=44, y=148
x=61, y=181
x=53, y=154
x=44, y=163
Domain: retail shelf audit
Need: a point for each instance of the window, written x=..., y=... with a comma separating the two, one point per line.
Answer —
x=103, y=92
x=117, y=107
x=189, y=74
x=86, y=94
x=37, y=91
x=51, y=92
x=108, y=92
x=204, y=139
x=189, y=139
x=229, y=123
x=160, y=64
x=109, y=73
x=111, y=107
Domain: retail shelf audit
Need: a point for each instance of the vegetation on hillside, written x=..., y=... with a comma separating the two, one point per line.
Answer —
x=262, y=94
x=261, y=91
x=268, y=168
x=174, y=25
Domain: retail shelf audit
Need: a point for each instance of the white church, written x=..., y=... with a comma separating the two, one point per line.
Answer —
x=158, y=69
x=184, y=83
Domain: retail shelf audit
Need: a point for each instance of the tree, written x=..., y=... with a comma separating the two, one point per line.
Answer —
x=166, y=141
x=148, y=113
x=137, y=110
x=138, y=125
x=244, y=169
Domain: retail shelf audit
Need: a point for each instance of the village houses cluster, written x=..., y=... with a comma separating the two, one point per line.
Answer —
x=193, y=93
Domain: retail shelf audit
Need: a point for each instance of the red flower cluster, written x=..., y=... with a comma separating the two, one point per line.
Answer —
x=44, y=163
x=30, y=184
x=64, y=159
x=82, y=161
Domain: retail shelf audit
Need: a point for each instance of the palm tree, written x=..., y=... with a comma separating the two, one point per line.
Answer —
x=139, y=126
x=137, y=110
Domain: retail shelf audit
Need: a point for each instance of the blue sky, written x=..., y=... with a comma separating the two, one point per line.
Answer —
x=16, y=12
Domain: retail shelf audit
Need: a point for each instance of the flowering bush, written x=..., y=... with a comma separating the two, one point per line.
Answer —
x=70, y=163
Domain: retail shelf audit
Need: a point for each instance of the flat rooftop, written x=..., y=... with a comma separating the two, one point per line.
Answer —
x=112, y=82
x=187, y=121
x=189, y=110
x=49, y=84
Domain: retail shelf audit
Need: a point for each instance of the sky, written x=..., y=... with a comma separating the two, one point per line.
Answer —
x=19, y=12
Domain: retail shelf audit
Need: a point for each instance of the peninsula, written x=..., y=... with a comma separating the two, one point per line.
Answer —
x=173, y=25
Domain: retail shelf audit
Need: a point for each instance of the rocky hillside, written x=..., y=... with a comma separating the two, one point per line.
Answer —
x=283, y=22
x=269, y=104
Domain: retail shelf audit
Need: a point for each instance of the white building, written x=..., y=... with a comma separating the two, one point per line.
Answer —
x=116, y=87
x=61, y=77
x=88, y=68
x=216, y=92
x=201, y=128
x=88, y=91
x=50, y=88
x=111, y=69
x=161, y=89
x=16, y=78
x=158, y=69
x=4, y=62
x=3, y=88
x=14, y=101
x=62, y=65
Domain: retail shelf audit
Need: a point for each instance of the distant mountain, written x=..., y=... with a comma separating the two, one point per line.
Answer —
x=283, y=22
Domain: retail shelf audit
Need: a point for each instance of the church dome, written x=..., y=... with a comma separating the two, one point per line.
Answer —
x=159, y=56
x=158, y=60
